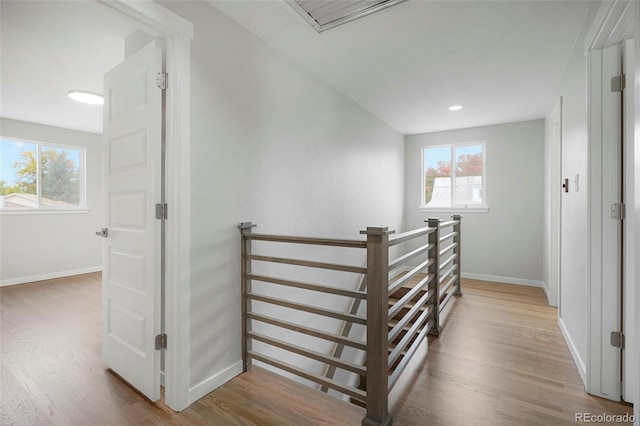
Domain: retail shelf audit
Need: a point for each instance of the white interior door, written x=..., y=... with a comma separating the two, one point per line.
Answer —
x=611, y=225
x=131, y=292
x=606, y=225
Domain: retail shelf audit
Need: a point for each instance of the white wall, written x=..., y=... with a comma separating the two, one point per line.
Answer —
x=41, y=246
x=274, y=145
x=504, y=244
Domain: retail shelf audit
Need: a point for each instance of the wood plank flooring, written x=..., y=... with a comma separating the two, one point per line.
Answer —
x=500, y=360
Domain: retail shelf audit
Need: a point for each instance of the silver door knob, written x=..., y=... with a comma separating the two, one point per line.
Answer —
x=103, y=232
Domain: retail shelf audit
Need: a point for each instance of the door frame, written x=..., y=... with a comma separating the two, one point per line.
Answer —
x=555, y=194
x=614, y=23
x=177, y=33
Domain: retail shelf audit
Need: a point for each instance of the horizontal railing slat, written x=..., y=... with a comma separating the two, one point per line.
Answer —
x=448, y=248
x=308, y=308
x=445, y=301
x=307, y=240
x=404, y=258
x=451, y=282
x=402, y=344
x=308, y=263
x=409, y=235
x=410, y=315
x=347, y=390
x=410, y=295
x=449, y=223
x=309, y=331
x=393, y=379
x=444, y=275
x=448, y=261
x=309, y=286
x=446, y=237
x=345, y=365
x=409, y=275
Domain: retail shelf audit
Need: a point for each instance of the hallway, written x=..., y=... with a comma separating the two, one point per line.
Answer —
x=500, y=360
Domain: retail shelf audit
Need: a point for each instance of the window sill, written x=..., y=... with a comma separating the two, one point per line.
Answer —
x=17, y=212
x=477, y=209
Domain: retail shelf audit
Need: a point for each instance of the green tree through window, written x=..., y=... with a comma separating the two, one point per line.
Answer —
x=27, y=166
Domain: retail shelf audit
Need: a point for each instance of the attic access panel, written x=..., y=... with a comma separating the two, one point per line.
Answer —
x=325, y=14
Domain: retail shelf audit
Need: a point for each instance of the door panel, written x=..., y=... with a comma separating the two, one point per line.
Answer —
x=131, y=252
x=611, y=227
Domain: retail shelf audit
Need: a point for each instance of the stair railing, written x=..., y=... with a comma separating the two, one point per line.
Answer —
x=435, y=264
x=250, y=316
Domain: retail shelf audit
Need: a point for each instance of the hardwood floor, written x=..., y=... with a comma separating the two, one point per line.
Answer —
x=500, y=360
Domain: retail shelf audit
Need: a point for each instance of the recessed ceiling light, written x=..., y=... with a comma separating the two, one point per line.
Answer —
x=86, y=97
x=455, y=107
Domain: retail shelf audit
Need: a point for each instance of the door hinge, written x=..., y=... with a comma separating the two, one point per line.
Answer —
x=617, y=339
x=161, y=342
x=162, y=80
x=618, y=83
x=162, y=211
x=618, y=211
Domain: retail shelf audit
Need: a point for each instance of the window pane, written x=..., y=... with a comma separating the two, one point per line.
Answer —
x=468, y=188
x=60, y=177
x=437, y=177
x=18, y=174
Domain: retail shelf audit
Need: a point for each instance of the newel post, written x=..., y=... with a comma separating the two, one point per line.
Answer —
x=458, y=250
x=377, y=326
x=434, y=271
x=245, y=267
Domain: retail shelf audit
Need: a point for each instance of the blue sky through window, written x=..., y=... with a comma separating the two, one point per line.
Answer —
x=433, y=155
x=10, y=152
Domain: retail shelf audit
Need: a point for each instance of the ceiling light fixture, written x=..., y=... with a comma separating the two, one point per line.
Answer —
x=455, y=107
x=86, y=97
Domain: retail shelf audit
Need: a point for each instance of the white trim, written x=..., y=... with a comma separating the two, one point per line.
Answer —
x=555, y=199
x=631, y=374
x=17, y=211
x=580, y=365
x=479, y=209
x=504, y=280
x=177, y=32
x=614, y=22
x=210, y=384
x=483, y=208
x=81, y=207
x=545, y=288
x=49, y=276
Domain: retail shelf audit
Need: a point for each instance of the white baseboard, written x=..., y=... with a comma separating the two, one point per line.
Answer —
x=505, y=280
x=582, y=369
x=49, y=276
x=546, y=292
x=210, y=384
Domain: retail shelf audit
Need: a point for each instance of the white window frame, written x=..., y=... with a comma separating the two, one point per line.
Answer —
x=82, y=205
x=460, y=208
